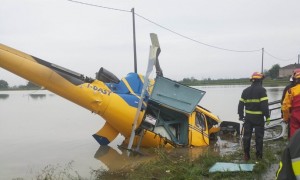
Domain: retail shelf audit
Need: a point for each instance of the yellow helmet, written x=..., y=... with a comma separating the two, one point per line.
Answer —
x=297, y=75
x=295, y=71
x=257, y=76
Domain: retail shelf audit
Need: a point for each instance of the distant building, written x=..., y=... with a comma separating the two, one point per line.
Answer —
x=287, y=71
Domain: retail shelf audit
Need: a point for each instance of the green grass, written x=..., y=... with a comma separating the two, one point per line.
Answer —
x=168, y=166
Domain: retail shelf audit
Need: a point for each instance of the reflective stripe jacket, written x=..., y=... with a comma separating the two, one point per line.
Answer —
x=289, y=166
x=255, y=101
x=289, y=86
x=291, y=100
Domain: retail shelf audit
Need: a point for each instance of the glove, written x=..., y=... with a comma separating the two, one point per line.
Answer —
x=267, y=121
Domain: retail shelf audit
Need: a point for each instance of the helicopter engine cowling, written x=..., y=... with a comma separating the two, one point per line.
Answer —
x=106, y=76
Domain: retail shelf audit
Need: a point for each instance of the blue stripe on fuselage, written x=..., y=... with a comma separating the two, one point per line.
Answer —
x=135, y=84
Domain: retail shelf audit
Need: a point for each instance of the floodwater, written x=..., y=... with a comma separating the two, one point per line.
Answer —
x=39, y=128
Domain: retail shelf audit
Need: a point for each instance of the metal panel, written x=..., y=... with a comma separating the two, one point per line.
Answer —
x=176, y=95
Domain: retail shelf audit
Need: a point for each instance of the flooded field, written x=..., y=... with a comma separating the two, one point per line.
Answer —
x=39, y=128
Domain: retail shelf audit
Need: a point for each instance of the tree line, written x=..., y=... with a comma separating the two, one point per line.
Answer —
x=5, y=86
x=271, y=74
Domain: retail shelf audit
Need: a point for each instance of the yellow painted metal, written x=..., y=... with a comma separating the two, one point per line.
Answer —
x=209, y=114
x=150, y=139
x=94, y=96
x=97, y=97
x=198, y=136
x=108, y=131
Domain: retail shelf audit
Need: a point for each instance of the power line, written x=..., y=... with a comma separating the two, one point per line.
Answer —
x=104, y=7
x=179, y=34
x=225, y=49
x=277, y=57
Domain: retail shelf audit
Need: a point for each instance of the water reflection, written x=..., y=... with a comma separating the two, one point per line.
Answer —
x=274, y=89
x=227, y=144
x=274, y=93
x=191, y=152
x=4, y=96
x=37, y=96
x=117, y=159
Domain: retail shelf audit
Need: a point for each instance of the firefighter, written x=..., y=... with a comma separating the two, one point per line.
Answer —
x=292, y=84
x=254, y=101
x=289, y=166
x=291, y=106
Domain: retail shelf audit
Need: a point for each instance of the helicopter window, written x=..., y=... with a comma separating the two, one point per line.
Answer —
x=170, y=123
x=200, y=121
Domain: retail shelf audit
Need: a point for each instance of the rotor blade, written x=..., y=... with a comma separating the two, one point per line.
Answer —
x=154, y=40
x=151, y=62
x=155, y=43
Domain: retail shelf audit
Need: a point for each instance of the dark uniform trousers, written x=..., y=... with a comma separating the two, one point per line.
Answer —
x=249, y=126
x=254, y=104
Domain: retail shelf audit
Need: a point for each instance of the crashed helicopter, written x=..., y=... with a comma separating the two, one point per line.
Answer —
x=147, y=112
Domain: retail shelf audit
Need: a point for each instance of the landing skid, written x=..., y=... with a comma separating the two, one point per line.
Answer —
x=132, y=151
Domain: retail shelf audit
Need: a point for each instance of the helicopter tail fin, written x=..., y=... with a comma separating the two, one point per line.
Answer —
x=106, y=134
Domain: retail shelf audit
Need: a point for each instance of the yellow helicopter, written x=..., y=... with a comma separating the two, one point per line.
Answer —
x=147, y=112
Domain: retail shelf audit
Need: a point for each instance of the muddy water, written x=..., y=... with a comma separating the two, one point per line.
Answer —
x=38, y=128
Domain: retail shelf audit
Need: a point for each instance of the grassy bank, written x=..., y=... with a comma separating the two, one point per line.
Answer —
x=173, y=166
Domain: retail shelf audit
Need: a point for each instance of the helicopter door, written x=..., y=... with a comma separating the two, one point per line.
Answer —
x=175, y=95
x=198, y=130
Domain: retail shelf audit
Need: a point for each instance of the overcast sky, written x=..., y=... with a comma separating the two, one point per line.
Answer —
x=84, y=38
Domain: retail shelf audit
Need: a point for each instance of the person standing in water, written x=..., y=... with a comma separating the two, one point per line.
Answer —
x=254, y=104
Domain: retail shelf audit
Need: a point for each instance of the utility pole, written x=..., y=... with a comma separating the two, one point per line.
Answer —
x=262, y=61
x=298, y=58
x=134, y=41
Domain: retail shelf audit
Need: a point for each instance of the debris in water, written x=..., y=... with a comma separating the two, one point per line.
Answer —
x=230, y=167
